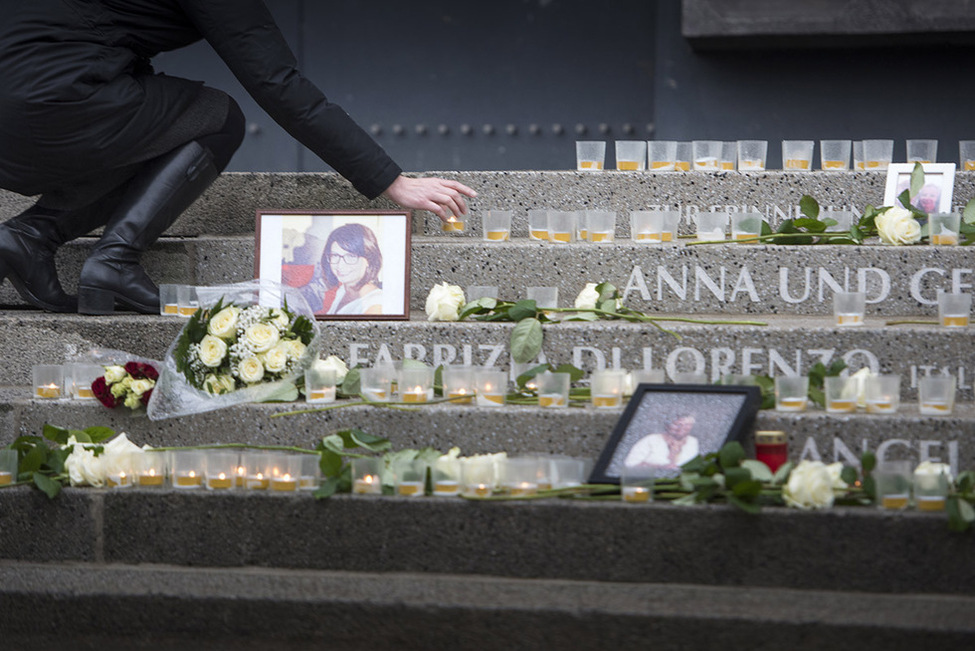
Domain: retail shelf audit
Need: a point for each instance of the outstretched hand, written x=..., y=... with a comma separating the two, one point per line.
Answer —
x=442, y=197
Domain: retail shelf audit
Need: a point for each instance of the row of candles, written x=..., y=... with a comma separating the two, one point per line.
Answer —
x=750, y=155
x=954, y=309
x=881, y=394
x=660, y=226
x=65, y=381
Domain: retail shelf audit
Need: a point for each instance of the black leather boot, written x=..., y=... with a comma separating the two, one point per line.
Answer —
x=154, y=198
x=29, y=241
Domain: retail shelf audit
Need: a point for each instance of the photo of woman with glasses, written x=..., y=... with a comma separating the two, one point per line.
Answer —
x=352, y=266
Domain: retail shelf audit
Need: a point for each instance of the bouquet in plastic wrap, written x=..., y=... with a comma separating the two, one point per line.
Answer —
x=248, y=342
x=128, y=380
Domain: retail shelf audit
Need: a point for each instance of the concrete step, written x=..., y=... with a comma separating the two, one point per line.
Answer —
x=723, y=279
x=105, y=607
x=515, y=429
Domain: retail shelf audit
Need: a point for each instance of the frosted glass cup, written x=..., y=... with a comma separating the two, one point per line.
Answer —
x=682, y=161
x=944, y=228
x=841, y=395
x=538, y=225
x=646, y=226
x=376, y=383
x=320, y=385
x=849, y=308
x=631, y=155
x=936, y=395
x=751, y=155
x=882, y=393
x=662, y=155
x=858, y=164
x=168, y=303
x=791, y=393
x=553, y=390
x=797, y=155
x=711, y=225
x=561, y=226
x=600, y=225
x=834, y=155
x=590, y=155
x=843, y=219
x=746, y=225
x=893, y=483
x=606, y=389
x=966, y=155
x=707, y=155
x=496, y=225
x=636, y=484
x=954, y=310
x=729, y=155
x=922, y=151
x=877, y=154
x=475, y=292
x=544, y=297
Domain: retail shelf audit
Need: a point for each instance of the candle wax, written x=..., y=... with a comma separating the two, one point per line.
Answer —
x=189, y=479
x=636, y=494
x=551, y=400
x=409, y=488
x=841, y=406
x=49, y=391
x=493, y=398
x=171, y=308
x=894, y=501
x=415, y=396
x=461, y=397
x=480, y=490
x=220, y=482
x=6, y=478
x=601, y=402
x=150, y=479
x=367, y=485
x=84, y=393
x=931, y=503
x=446, y=487
x=285, y=483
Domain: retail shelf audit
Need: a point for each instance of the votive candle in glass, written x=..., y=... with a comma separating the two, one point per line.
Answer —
x=746, y=226
x=311, y=472
x=936, y=395
x=954, y=310
x=600, y=226
x=568, y=472
x=376, y=383
x=944, y=229
x=521, y=476
x=186, y=300
x=168, y=300
x=553, y=390
x=366, y=477
x=188, y=467
x=636, y=484
x=48, y=381
x=882, y=393
x=772, y=448
x=497, y=225
x=892, y=480
x=121, y=474
x=491, y=386
x=415, y=384
x=791, y=393
x=606, y=389
x=538, y=225
x=8, y=467
x=849, y=308
x=221, y=469
x=931, y=483
x=255, y=467
x=458, y=384
x=82, y=377
x=841, y=395
x=561, y=226
x=285, y=472
x=478, y=476
x=150, y=469
x=320, y=385
x=445, y=475
x=410, y=477
x=453, y=224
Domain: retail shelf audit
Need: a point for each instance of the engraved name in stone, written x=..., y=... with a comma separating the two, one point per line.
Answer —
x=939, y=451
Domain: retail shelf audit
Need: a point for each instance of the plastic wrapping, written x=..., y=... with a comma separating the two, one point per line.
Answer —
x=175, y=395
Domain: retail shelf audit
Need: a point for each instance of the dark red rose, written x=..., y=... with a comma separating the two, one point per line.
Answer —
x=103, y=393
x=144, y=398
x=140, y=371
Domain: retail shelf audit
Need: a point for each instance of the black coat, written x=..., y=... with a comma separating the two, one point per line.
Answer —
x=77, y=92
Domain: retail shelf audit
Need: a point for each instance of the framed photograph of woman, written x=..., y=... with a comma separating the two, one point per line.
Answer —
x=347, y=264
x=665, y=426
x=934, y=196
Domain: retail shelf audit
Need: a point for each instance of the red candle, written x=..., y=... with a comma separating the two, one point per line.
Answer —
x=771, y=448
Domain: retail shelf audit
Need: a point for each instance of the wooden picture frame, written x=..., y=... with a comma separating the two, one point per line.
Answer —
x=370, y=277
x=666, y=425
x=934, y=197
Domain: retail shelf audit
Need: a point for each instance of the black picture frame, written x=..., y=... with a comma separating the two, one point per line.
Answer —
x=660, y=413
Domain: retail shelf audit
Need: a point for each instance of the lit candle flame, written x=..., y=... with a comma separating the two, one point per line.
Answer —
x=287, y=477
x=241, y=470
x=192, y=474
x=451, y=219
x=222, y=476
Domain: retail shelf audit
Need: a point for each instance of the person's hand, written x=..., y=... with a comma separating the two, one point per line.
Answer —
x=442, y=197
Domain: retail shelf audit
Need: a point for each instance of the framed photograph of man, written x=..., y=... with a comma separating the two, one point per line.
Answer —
x=665, y=426
x=347, y=264
x=935, y=194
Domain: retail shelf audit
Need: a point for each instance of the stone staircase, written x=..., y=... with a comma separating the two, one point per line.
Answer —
x=175, y=570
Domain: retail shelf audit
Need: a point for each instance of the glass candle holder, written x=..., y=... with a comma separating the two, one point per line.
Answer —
x=966, y=155
x=454, y=224
x=254, y=471
x=711, y=225
x=791, y=393
x=8, y=467
x=538, y=225
x=858, y=164
x=476, y=292
x=496, y=225
x=82, y=377
x=729, y=155
x=684, y=155
x=936, y=395
x=843, y=219
x=561, y=226
x=188, y=469
x=736, y=380
x=410, y=477
x=636, y=484
x=892, y=480
x=478, y=476
x=416, y=384
x=643, y=376
x=366, y=476
x=877, y=154
x=834, y=155
x=706, y=155
x=48, y=381
x=187, y=302
x=320, y=385
x=631, y=155
x=841, y=395
x=590, y=155
x=772, y=448
x=797, y=155
x=491, y=386
x=121, y=474
x=606, y=389
x=662, y=155
x=445, y=476
x=168, y=300
x=849, y=308
x=376, y=383
x=882, y=393
x=568, y=472
x=690, y=378
x=751, y=155
x=521, y=476
x=600, y=226
x=646, y=226
x=954, y=310
x=458, y=384
x=931, y=485
x=221, y=470
x=922, y=151
x=285, y=472
x=150, y=469
x=544, y=297
x=746, y=226
x=553, y=390
x=311, y=472
x=944, y=228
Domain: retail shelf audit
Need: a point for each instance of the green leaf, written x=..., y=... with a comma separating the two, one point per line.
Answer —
x=56, y=459
x=782, y=474
x=368, y=441
x=330, y=463
x=48, y=486
x=98, y=434
x=870, y=487
x=33, y=460
x=748, y=507
x=523, y=379
x=749, y=489
x=960, y=514
x=968, y=215
x=327, y=488
x=54, y=433
x=607, y=292
x=350, y=384
x=332, y=443
x=731, y=455
x=809, y=206
x=526, y=309
x=575, y=374
x=811, y=225
x=286, y=392
x=849, y=475
x=817, y=395
x=965, y=481
x=868, y=461
x=760, y=472
x=917, y=180
x=735, y=476
x=526, y=340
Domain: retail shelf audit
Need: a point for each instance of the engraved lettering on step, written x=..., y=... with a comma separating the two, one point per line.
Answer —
x=923, y=450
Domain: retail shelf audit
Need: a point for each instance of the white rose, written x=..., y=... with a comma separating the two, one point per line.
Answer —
x=277, y=358
x=898, y=226
x=444, y=302
x=261, y=336
x=218, y=384
x=280, y=319
x=855, y=388
x=587, y=298
x=251, y=370
x=835, y=470
x=138, y=387
x=118, y=455
x=335, y=364
x=114, y=374
x=296, y=349
x=933, y=469
x=810, y=486
x=82, y=465
x=224, y=323
x=212, y=350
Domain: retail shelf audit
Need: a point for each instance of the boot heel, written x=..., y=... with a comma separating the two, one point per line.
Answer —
x=95, y=301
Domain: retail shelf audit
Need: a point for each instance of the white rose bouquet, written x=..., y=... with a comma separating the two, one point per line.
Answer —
x=247, y=343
